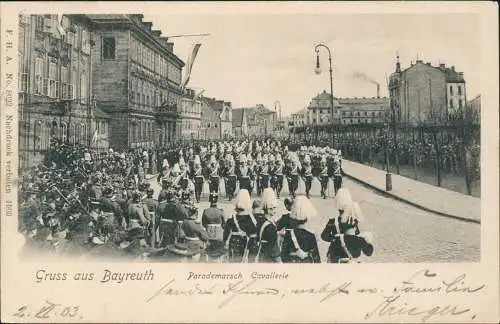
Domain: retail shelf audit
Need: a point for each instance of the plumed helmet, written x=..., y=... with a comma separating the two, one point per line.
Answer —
x=344, y=200
x=302, y=209
x=243, y=158
x=182, y=162
x=243, y=201
x=269, y=198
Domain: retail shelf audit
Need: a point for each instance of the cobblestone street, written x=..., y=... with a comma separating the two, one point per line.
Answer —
x=402, y=233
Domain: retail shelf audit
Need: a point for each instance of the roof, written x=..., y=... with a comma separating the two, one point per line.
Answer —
x=451, y=75
x=238, y=115
x=215, y=104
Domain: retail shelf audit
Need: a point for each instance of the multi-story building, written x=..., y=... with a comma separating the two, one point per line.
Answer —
x=299, y=118
x=136, y=79
x=190, y=114
x=363, y=110
x=216, y=119
x=423, y=92
x=260, y=120
x=55, y=97
x=319, y=109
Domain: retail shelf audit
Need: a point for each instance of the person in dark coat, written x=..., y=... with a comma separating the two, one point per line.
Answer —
x=267, y=236
x=347, y=244
x=299, y=244
x=240, y=232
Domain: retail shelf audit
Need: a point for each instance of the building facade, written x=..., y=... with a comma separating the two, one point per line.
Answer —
x=226, y=121
x=299, y=118
x=363, y=110
x=190, y=114
x=55, y=97
x=475, y=109
x=136, y=80
x=426, y=93
x=240, y=123
x=260, y=120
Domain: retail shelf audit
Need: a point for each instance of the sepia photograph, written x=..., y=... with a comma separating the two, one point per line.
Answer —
x=130, y=148
x=199, y=144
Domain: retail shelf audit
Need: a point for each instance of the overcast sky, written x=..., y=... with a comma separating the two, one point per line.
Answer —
x=250, y=59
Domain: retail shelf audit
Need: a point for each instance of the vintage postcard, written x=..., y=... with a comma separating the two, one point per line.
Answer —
x=249, y=162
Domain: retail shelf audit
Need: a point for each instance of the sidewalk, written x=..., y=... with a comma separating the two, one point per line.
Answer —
x=421, y=195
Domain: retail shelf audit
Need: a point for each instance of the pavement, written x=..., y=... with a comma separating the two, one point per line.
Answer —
x=421, y=195
x=402, y=232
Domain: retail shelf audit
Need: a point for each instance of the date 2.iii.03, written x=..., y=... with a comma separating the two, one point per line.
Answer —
x=49, y=310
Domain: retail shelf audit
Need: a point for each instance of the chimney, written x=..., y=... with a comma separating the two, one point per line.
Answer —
x=164, y=41
x=378, y=90
x=442, y=66
x=157, y=33
x=453, y=68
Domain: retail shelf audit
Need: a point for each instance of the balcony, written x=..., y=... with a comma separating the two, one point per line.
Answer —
x=166, y=111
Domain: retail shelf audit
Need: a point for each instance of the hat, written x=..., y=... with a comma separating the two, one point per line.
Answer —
x=302, y=209
x=344, y=200
x=269, y=198
x=243, y=201
x=197, y=160
x=176, y=168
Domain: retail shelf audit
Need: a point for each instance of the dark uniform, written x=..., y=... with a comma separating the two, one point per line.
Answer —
x=337, y=176
x=240, y=234
x=264, y=177
x=292, y=177
x=324, y=178
x=278, y=178
x=300, y=246
x=245, y=177
x=169, y=214
x=197, y=176
x=307, y=174
x=230, y=176
x=214, y=178
x=268, y=250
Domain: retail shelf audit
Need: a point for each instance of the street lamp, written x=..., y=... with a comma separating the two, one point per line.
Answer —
x=317, y=70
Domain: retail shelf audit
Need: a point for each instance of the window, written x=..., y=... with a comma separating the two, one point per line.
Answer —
x=108, y=48
x=39, y=22
x=451, y=103
x=460, y=104
x=373, y=114
x=451, y=90
x=85, y=42
x=459, y=90
x=343, y=113
x=83, y=88
x=53, y=84
x=39, y=76
x=366, y=113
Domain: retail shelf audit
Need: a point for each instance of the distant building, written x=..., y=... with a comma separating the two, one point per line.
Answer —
x=136, y=79
x=299, y=118
x=423, y=93
x=55, y=86
x=320, y=108
x=190, y=114
x=216, y=119
x=363, y=110
x=240, y=123
x=260, y=120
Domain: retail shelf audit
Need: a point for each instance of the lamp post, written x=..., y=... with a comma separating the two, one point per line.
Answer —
x=317, y=70
x=277, y=123
x=388, y=176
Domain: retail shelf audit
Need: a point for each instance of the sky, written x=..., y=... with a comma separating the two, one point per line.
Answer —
x=251, y=59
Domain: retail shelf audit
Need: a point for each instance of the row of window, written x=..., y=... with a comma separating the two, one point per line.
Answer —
x=152, y=60
x=190, y=107
x=142, y=131
x=459, y=90
x=460, y=104
x=75, y=35
x=145, y=93
x=48, y=82
x=365, y=113
x=38, y=134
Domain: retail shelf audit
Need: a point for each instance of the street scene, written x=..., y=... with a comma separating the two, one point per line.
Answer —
x=171, y=139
